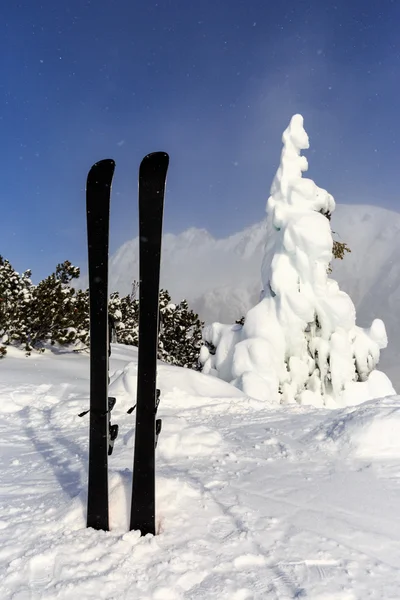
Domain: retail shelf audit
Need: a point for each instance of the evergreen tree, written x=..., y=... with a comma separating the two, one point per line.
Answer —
x=180, y=334
x=54, y=312
x=15, y=297
x=180, y=337
x=57, y=312
x=124, y=313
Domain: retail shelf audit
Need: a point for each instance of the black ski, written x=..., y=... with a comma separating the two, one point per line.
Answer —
x=98, y=191
x=152, y=177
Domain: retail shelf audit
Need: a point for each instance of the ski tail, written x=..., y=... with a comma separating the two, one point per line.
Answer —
x=98, y=191
x=152, y=179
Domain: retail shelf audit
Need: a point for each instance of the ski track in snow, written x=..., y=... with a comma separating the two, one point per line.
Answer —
x=249, y=507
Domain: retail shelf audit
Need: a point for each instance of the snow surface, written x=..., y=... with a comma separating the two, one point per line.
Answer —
x=254, y=501
x=300, y=342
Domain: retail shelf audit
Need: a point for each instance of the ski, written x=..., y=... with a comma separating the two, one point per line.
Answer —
x=152, y=178
x=98, y=190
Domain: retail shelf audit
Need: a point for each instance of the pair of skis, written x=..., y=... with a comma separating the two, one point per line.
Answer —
x=152, y=178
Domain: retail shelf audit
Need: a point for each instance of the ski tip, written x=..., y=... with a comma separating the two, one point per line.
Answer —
x=102, y=171
x=154, y=155
x=153, y=169
x=156, y=158
x=107, y=164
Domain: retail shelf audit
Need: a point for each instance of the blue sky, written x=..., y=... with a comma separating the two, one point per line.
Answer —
x=212, y=82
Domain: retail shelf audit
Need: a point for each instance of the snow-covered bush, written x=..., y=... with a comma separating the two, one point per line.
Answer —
x=300, y=343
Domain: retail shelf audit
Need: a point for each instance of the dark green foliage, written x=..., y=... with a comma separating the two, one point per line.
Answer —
x=339, y=249
x=15, y=298
x=53, y=312
x=50, y=312
x=125, y=314
x=58, y=313
x=180, y=337
x=180, y=328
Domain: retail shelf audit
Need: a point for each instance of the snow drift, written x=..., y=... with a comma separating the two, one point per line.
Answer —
x=370, y=431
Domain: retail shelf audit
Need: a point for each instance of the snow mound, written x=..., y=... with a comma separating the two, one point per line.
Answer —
x=369, y=431
x=193, y=385
x=189, y=442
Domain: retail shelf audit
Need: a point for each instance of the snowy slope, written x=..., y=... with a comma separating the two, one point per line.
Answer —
x=253, y=503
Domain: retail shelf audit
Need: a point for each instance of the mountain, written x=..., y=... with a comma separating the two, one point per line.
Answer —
x=194, y=264
x=371, y=273
x=221, y=277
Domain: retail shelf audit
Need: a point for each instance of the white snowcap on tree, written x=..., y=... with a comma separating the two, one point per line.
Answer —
x=300, y=343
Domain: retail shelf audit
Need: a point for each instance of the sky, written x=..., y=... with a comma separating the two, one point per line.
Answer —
x=212, y=82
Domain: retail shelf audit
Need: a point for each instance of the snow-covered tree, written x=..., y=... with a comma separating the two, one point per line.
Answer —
x=57, y=312
x=300, y=343
x=15, y=296
x=180, y=336
x=53, y=312
x=124, y=313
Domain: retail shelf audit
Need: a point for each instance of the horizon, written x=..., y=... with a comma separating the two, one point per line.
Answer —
x=214, y=88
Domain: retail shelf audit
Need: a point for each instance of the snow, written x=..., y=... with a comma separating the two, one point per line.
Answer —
x=300, y=343
x=254, y=500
